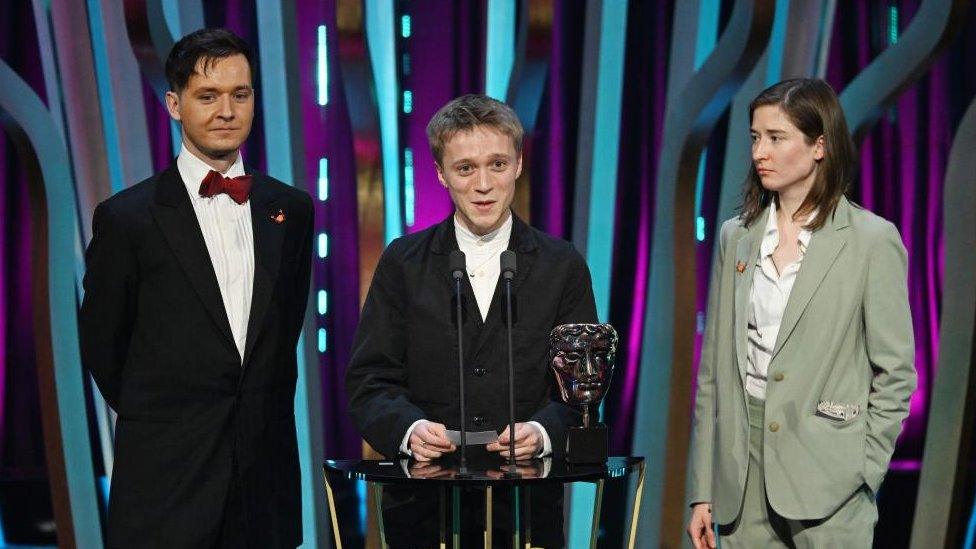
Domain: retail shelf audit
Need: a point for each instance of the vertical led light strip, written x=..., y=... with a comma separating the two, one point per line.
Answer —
x=409, y=194
x=279, y=148
x=322, y=296
x=606, y=142
x=499, y=47
x=380, y=37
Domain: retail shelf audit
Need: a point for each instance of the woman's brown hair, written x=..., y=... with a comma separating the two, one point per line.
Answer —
x=812, y=106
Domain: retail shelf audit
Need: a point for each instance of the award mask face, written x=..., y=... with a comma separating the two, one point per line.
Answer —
x=582, y=356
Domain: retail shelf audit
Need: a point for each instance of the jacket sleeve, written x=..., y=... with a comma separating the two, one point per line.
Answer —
x=108, y=309
x=890, y=346
x=379, y=403
x=703, y=426
x=576, y=305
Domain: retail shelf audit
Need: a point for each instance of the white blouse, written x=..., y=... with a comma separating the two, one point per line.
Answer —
x=767, y=302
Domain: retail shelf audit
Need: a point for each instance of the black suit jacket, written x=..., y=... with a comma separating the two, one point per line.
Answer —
x=155, y=336
x=404, y=360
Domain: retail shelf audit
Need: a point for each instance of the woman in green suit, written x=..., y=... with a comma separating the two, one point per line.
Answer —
x=807, y=364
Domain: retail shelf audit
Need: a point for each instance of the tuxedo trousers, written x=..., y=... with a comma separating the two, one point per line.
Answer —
x=758, y=524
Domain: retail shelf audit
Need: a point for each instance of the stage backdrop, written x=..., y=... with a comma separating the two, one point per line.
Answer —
x=637, y=147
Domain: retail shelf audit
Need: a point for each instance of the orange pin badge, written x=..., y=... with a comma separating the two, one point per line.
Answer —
x=278, y=216
x=740, y=266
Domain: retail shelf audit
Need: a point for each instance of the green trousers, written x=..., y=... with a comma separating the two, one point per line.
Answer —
x=758, y=525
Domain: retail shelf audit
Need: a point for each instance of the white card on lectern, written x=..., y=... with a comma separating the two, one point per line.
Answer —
x=472, y=438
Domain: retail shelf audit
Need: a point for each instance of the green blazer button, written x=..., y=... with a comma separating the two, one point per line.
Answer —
x=774, y=426
x=778, y=376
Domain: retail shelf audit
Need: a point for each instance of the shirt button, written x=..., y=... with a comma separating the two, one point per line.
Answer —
x=773, y=427
x=778, y=376
x=478, y=420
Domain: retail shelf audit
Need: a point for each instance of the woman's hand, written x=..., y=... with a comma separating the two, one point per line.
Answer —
x=700, y=526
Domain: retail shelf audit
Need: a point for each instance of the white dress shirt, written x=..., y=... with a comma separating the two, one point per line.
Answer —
x=767, y=301
x=482, y=259
x=226, y=227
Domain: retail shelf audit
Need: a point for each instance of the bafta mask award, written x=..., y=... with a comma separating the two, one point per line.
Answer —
x=582, y=357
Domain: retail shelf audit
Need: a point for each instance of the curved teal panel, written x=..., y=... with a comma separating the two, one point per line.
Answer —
x=28, y=121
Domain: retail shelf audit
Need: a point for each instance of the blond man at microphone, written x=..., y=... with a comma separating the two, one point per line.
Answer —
x=402, y=379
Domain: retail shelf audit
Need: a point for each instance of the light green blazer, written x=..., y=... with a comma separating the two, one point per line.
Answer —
x=846, y=337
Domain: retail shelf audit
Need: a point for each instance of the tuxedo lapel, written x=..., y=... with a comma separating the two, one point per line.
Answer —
x=266, y=205
x=746, y=255
x=825, y=244
x=174, y=215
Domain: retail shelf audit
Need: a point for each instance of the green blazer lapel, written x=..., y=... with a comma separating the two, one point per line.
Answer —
x=825, y=244
x=746, y=253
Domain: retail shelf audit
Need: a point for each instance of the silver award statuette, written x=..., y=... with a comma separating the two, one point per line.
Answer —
x=582, y=357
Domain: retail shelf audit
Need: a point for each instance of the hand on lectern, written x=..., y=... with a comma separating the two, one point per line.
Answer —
x=429, y=441
x=528, y=442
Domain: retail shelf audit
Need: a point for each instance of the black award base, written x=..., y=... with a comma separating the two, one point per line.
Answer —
x=587, y=445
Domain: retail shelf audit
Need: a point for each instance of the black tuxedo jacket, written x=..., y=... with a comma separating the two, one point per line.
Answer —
x=404, y=360
x=155, y=336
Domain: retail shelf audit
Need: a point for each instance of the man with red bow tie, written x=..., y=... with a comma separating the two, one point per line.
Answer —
x=195, y=292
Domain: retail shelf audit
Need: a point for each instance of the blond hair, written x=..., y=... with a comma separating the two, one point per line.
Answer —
x=467, y=112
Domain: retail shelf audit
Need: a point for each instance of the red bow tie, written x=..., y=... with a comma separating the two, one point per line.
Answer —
x=238, y=188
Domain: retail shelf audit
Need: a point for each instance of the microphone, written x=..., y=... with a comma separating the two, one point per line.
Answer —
x=507, y=261
x=508, y=264
x=457, y=266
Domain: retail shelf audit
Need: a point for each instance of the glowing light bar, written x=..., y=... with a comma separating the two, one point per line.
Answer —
x=405, y=26
x=408, y=189
x=323, y=301
x=322, y=346
x=323, y=245
x=407, y=101
x=323, y=179
x=323, y=67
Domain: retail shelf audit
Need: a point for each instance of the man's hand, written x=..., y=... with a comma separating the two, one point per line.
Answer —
x=528, y=442
x=700, y=526
x=429, y=441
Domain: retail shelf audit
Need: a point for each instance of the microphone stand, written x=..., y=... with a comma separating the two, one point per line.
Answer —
x=508, y=273
x=463, y=468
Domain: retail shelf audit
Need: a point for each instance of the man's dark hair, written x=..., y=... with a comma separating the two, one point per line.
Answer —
x=210, y=45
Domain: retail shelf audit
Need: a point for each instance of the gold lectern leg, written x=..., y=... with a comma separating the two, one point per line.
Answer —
x=443, y=519
x=456, y=517
x=332, y=511
x=597, y=507
x=378, y=501
x=488, y=522
x=635, y=514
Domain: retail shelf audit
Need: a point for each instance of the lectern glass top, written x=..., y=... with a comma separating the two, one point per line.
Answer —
x=536, y=471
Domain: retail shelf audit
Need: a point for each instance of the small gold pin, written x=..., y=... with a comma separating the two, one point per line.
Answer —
x=278, y=217
x=740, y=266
